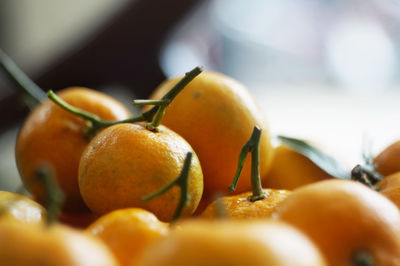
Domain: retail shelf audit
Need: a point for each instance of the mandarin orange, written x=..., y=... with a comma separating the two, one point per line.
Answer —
x=53, y=136
x=222, y=242
x=259, y=203
x=240, y=207
x=35, y=244
x=127, y=232
x=216, y=115
x=21, y=208
x=126, y=162
x=349, y=222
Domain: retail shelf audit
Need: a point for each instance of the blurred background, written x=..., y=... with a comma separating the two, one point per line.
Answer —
x=323, y=70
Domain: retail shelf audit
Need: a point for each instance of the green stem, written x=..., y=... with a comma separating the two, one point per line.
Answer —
x=153, y=125
x=155, y=114
x=258, y=192
x=182, y=181
x=365, y=175
x=21, y=80
x=150, y=102
x=189, y=76
x=253, y=146
x=242, y=157
x=76, y=111
x=54, y=195
x=95, y=122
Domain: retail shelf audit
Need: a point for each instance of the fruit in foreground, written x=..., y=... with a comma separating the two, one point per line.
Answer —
x=35, y=244
x=199, y=242
x=349, y=222
x=127, y=232
x=21, y=208
x=126, y=162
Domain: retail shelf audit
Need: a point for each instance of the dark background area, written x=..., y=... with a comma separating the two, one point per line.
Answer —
x=124, y=52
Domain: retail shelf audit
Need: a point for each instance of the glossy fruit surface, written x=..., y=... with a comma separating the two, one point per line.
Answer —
x=21, y=208
x=216, y=115
x=388, y=161
x=291, y=170
x=349, y=222
x=53, y=136
x=240, y=207
x=127, y=232
x=125, y=162
x=260, y=243
x=35, y=244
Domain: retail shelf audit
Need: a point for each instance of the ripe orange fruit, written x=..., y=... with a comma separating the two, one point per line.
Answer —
x=389, y=186
x=388, y=161
x=291, y=169
x=240, y=207
x=350, y=223
x=54, y=136
x=259, y=203
x=125, y=162
x=34, y=244
x=127, y=232
x=200, y=242
x=21, y=208
x=216, y=115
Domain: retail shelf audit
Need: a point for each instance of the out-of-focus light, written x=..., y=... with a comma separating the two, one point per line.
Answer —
x=361, y=55
x=178, y=57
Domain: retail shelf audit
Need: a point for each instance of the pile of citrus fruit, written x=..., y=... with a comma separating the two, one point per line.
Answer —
x=192, y=180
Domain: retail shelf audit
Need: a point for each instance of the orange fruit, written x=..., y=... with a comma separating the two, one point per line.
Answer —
x=126, y=162
x=127, y=232
x=54, y=136
x=349, y=222
x=259, y=203
x=389, y=186
x=291, y=170
x=21, y=208
x=200, y=242
x=388, y=161
x=216, y=115
x=34, y=244
x=240, y=207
